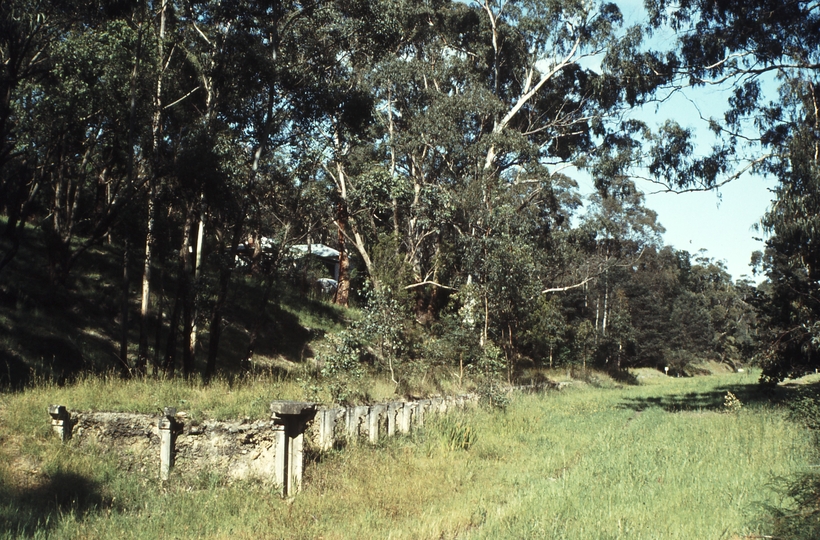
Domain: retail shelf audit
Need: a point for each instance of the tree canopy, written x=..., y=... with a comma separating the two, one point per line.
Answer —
x=436, y=146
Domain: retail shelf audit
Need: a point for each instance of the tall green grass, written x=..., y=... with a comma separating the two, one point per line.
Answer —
x=666, y=459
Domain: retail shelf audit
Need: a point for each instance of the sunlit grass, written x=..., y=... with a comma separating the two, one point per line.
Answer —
x=664, y=459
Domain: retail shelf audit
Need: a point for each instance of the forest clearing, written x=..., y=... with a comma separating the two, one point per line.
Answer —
x=665, y=458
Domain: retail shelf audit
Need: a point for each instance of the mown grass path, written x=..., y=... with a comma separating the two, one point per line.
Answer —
x=664, y=460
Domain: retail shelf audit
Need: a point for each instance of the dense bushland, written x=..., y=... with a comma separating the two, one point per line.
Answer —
x=165, y=167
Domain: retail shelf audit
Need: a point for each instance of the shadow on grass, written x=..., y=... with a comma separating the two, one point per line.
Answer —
x=280, y=333
x=714, y=400
x=26, y=513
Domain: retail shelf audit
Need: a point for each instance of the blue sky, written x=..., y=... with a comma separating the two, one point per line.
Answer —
x=721, y=225
x=720, y=222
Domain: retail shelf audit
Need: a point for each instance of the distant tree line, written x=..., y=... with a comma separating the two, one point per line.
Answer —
x=434, y=145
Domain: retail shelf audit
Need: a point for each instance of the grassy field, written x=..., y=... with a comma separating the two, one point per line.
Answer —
x=664, y=459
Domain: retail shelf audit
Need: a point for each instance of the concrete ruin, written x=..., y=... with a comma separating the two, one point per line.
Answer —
x=272, y=451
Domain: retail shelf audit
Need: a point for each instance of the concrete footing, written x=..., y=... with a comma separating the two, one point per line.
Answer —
x=60, y=421
x=168, y=428
x=376, y=418
x=278, y=453
x=290, y=420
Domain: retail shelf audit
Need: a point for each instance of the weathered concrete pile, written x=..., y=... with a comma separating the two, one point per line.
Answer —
x=345, y=424
x=269, y=450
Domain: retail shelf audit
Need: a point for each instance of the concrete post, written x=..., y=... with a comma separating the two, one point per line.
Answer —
x=327, y=429
x=296, y=462
x=392, y=413
x=60, y=421
x=356, y=416
x=167, y=434
x=290, y=420
x=373, y=421
x=280, y=458
x=421, y=410
x=351, y=424
x=405, y=416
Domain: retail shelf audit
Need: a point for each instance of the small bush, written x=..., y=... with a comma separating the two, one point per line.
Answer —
x=342, y=371
x=731, y=404
x=487, y=371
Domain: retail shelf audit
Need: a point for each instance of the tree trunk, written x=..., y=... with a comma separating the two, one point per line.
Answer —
x=125, y=370
x=343, y=288
x=181, y=304
x=169, y=365
x=226, y=267
x=142, y=355
x=606, y=306
x=159, y=322
x=215, y=329
x=261, y=318
x=200, y=235
x=186, y=269
x=156, y=132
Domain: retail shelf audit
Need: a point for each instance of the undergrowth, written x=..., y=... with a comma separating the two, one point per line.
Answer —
x=796, y=514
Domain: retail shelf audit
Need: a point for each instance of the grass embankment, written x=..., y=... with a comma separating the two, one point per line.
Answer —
x=661, y=460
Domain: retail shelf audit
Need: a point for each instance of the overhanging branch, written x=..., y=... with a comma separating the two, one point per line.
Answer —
x=433, y=283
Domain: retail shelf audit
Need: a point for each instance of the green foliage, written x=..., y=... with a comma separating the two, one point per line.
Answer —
x=770, y=126
x=342, y=369
x=797, y=514
x=548, y=328
x=791, y=313
x=425, y=141
x=731, y=403
x=457, y=434
x=488, y=371
x=584, y=342
x=385, y=327
x=806, y=410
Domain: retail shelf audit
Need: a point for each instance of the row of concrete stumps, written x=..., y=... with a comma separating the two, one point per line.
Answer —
x=290, y=420
x=375, y=421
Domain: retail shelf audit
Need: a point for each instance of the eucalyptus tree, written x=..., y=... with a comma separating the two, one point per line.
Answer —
x=28, y=30
x=653, y=284
x=767, y=53
x=248, y=84
x=623, y=230
x=63, y=121
x=479, y=109
x=26, y=35
x=549, y=330
x=279, y=84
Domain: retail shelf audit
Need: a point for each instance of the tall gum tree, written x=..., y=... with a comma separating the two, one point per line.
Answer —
x=767, y=53
x=499, y=100
x=271, y=80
